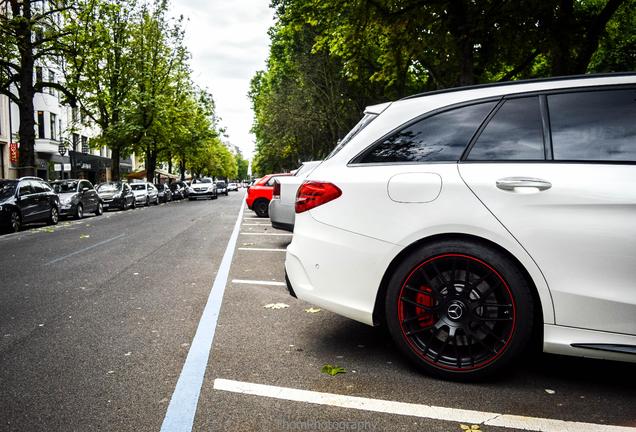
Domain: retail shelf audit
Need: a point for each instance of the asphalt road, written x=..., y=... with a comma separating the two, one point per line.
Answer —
x=94, y=332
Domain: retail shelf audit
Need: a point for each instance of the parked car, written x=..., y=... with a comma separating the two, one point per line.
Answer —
x=202, y=188
x=281, y=208
x=26, y=200
x=116, y=195
x=179, y=190
x=221, y=188
x=233, y=187
x=77, y=197
x=145, y=193
x=260, y=194
x=165, y=194
x=474, y=219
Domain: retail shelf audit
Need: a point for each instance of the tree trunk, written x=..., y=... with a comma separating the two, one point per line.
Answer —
x=26, y=91
x=151, y=165
x=115, y=156
x=182, y=169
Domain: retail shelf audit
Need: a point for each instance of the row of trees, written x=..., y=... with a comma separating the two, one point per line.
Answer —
x=125, y=65
x=331, y=58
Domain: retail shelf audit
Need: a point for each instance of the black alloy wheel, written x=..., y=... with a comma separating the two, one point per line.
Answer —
x=100, y=209
x=133, y=204
x=147, y=201
x=79, y=211
x=261, y=208
x=15, y=221
x=459, y=310
x=54, y=216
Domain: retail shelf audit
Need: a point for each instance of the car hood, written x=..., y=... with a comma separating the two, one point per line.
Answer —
x=108, y=195
x=67, y=195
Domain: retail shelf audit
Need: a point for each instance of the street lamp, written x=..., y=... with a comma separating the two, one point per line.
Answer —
x=61, y=149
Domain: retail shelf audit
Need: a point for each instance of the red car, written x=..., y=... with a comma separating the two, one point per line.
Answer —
x=260, y=194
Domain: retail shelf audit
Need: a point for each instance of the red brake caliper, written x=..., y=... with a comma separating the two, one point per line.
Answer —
x=426, y=300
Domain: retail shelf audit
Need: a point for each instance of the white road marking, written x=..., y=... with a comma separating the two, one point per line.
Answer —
x=257, y=218
x=267, y=234
x=262, y=249
x=251, y=224
x=415, y=410
x=85, y=249
x=257, y=282
x=183, y=403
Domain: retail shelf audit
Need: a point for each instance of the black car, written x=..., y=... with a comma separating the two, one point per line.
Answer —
x=116, y=195
x=178, y=191
x=165, y=194
x=26, y=200
x=221, y=188
x=77, y=197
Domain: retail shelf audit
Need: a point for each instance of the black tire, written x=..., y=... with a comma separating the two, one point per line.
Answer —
x=133, y=204
x=459, y=309
x=100, y=209
x=215, y=196
x=124, y=205
x=15, y=221
x=261, y=207
x=79, y=211
x=54, y=216
x=147, y=204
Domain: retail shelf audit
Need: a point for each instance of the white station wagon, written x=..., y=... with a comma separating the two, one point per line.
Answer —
x=472, y=220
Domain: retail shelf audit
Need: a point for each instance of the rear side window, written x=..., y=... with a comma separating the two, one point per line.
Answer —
x=594, y=125
x=514, y=133
x=440, y=137
x=25, y=188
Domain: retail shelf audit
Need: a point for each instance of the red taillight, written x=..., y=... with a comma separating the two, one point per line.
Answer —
x=313, y=194
x=276, y=191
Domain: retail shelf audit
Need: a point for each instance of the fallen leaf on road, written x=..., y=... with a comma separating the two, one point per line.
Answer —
x=550, y=391
x=128, y=353
x=276, y=306
x=84, y=236
x=313, y=310
x=332, y=370
x=469, y=428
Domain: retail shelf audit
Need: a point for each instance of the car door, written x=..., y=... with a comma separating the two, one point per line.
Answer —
x=27, y=201
x=573, y=212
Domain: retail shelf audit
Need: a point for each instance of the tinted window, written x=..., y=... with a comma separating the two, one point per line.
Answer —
x=595, y=126
x=441, y=137
x=25, y=188
x=38, y=187
x=514, y=133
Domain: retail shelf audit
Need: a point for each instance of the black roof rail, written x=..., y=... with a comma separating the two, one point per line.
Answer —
x=515, y=82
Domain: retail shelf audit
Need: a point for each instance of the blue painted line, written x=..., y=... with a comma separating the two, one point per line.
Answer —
x=85, y=249
x=183, y=404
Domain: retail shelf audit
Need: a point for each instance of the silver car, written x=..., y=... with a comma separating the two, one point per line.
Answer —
x=281, y=207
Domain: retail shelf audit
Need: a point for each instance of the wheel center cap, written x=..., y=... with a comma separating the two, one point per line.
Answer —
x=455, y=310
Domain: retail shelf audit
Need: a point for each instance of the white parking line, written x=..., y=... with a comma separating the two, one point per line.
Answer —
x=267, y=234
x=257, y=218
x=262, y=249
x=183, y=403
x=257, y=282
x=415, y=410
x=251, y=224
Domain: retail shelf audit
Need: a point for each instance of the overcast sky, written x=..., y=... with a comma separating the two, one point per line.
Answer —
x=229, y=43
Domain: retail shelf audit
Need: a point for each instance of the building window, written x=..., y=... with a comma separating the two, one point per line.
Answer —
x=74, y=114
x=75, y=142
x=38, y=74
x=51, y=90
x=41, y=124
x=53, y=125
x=84, y=144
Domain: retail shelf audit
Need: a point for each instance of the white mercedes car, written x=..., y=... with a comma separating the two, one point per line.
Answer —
x=472, y=220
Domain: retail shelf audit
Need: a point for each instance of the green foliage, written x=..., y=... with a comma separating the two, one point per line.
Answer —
x=331, y=58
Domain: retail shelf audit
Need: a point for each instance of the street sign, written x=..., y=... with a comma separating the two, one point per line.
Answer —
x=61, y=149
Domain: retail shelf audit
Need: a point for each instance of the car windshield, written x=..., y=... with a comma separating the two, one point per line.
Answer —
x=108, y=187
x=368, y=118
x=204, y=180
x=138, y=186
x=7, y=189
x=221, y=184
x=65, y=187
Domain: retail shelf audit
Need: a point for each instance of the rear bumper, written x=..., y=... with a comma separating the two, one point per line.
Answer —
x=282, y=216
x=336, y=269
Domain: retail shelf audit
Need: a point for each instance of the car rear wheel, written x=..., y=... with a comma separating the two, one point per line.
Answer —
x=54, y=216
x=99, y=210
x=79, y=211
x=261, y=208
x=459, y=309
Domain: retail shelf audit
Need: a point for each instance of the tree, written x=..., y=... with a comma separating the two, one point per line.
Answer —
x=242, y=166
x=31, y=32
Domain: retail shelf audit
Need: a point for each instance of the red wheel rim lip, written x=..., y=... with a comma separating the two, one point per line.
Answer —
x=417, y=350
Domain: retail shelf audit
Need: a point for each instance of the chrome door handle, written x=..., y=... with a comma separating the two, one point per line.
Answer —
x=510, y=183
